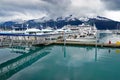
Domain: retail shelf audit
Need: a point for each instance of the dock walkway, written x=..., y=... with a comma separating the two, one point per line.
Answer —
x=87, y=44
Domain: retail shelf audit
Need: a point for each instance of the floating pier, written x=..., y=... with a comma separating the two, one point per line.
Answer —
x=88, y=44
x=13, y=39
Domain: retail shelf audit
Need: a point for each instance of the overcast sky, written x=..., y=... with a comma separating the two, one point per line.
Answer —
x=33, y=9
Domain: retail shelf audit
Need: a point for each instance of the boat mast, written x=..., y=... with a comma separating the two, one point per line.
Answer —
x=46, y=23
x=22, y=27
x=27, y=25
x=118, y=27
x=55, y=26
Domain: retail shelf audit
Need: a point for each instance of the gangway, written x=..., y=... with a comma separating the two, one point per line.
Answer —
x=14, y=39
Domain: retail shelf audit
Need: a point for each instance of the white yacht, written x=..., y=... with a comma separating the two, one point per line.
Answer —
x=85, y=34
x=62, y=30
x=33, y=31
x=12, y=31
x=83, y=39
x=48, y=30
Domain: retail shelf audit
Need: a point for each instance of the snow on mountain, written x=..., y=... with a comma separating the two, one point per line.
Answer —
x=102, y=18
x=84, y=19
x=19, y=21
x=43, y=19
x=66, y=18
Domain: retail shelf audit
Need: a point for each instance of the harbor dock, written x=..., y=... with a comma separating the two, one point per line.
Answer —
x=81, y=44
x=88, y=44
x=44, y=42
x=38, y=40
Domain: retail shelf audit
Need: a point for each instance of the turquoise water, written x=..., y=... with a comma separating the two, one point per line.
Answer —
x=61, y=63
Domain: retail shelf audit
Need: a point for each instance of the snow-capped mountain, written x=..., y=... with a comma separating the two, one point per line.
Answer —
x=85, y=19
x=101, y=22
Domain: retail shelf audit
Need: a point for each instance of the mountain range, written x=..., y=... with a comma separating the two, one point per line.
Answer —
x=102, y=23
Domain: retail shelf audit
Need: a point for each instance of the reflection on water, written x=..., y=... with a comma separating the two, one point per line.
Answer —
x=20, y=49
x=117, y=51
x=62, y=63
x=109, y=50
x=64, y=49
x=95, y=53
x=29, y=56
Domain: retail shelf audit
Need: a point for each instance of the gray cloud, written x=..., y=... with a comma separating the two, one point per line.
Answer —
x=112, y=4
x=55, y=7
x=29, y=9
x=33, y=7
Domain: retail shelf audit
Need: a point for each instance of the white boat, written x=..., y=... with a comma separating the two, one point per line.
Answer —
x=48, y=30
x=85, y=34
x=13, y=31
x=83, y=39
x=33, y=31
x=39, y=32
